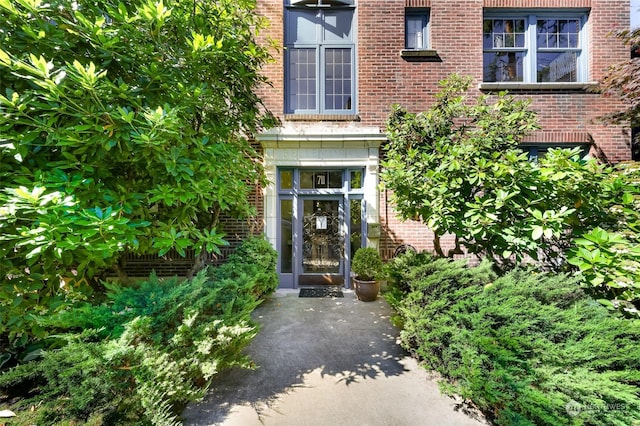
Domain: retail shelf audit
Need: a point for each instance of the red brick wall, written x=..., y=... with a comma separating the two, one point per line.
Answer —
x=385, y=78
x=273, y=36
x=456, y=34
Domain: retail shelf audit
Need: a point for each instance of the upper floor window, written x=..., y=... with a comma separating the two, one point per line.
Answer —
x=319, y=59
x=416, y=29
x=535, y=47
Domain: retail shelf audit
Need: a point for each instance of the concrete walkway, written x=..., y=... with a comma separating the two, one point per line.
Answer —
x=324, y=361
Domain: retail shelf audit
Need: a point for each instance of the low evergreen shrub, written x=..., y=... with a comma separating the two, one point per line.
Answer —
x=256, y=258
x=526, y=348
x=151, y=349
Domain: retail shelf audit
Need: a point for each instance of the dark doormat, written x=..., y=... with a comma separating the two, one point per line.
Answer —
x=321, y=292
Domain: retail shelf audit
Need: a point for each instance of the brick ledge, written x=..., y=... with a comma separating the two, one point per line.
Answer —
x=420, y=55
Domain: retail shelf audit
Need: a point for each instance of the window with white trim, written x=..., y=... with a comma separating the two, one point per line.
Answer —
x=416, y=35
x=319, y=59
x=535, y=47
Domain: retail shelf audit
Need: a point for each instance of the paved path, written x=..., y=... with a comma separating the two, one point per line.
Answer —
x=326, y=362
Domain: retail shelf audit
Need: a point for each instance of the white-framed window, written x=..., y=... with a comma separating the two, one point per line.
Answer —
x=416, y=29
x=535, y=47
x=319, y=60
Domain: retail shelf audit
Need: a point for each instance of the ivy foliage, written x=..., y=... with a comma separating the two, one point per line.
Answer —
x=527, y=348
x=146, y=352
x=123, y=129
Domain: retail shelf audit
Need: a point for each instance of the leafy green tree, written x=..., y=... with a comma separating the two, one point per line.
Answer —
x=607, y=256
x=459, y=169
x=123, y=129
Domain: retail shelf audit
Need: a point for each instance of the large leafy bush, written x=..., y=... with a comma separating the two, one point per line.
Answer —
x=149, y=350
x=527, y=348
x=254, y=260
x=608, y=256
x=458, y=167
x=124, y=129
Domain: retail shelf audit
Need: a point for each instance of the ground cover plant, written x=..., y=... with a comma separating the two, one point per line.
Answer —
x=527, y=348
x=148, y=350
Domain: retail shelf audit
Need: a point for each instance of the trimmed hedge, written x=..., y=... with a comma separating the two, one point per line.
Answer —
x=526, y=348
x=151, y=349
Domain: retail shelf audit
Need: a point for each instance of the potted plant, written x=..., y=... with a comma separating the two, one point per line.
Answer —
x=367, y=270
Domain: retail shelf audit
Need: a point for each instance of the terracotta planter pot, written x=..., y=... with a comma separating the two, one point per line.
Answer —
x=366, y=291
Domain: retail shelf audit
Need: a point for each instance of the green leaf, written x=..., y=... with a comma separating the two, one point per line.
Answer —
x=627, y=198
x=8, y=5
x=5, y=59
x=41, y=64
x=606, y=303
x=583, y=242
x=122, y=9
x=537, y=232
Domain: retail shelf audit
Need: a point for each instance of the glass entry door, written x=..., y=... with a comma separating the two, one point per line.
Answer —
x=320, y=214
x=322, y=243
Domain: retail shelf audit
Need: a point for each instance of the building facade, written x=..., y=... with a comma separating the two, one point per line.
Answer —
x=340, y=65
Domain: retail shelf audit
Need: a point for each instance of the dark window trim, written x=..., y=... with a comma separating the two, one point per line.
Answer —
x=320, y=47
x=420, y=55
x=532, y=148
x=425, y=15
x=326, y=4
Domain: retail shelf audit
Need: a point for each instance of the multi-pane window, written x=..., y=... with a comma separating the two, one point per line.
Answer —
x=416, y=29
x=319, y=60
x=558, y=47
x=504, y=49
x=534, y=48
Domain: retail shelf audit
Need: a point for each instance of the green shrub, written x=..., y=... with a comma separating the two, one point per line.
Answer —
x=73, y=382
x=119, y=159
x=257, y=257
x=367, y=264
x=485, y=193
x=608, y=256
x=152, y=348
x=527, y=348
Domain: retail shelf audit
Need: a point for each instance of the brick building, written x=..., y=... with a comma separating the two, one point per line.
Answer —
x=341, y=64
